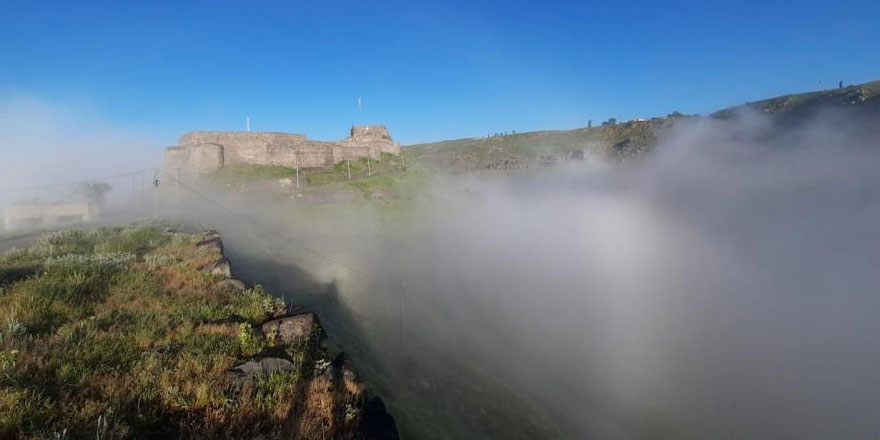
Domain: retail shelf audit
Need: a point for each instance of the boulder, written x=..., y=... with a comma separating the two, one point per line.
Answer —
x=232, y=284
x=220, y=267
x=293, y=327
x=291, y=310
x=246, y=372
x=340, y=371
x=376, y=423
x=211, y=243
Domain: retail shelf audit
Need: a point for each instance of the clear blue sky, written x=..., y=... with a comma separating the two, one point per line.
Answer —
x=429, y=71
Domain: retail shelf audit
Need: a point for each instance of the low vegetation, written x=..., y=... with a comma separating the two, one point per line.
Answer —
x=246, y=173
x=532, y=150
x=623, y=140
x=116, y=333
x=356, y=169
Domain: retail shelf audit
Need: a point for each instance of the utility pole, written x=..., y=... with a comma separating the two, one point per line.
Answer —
x=156, y=194
x=402, y=157
x=369, y=172
x=400, y=323
x=296, y=158
x=348, y=163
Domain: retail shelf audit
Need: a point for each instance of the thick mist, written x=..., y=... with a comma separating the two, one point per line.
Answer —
x=46, y=146
x=725, y=286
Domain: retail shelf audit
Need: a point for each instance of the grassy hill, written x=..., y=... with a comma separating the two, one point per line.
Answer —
x=623, y=140
x=533, y=149
x=121, y=333
x=863, y=96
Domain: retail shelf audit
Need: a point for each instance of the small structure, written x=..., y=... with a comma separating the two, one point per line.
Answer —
x=48, y=214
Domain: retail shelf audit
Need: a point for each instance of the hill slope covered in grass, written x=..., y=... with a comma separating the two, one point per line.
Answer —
x=138, y=333
x=626, y=139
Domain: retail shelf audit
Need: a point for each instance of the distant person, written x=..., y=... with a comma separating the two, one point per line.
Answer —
x=840, y=84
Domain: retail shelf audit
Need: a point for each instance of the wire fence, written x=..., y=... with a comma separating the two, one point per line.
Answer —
x=350, y=171
x=241, y=175
x=276, y=238
x=152, y=181
x=138, y=177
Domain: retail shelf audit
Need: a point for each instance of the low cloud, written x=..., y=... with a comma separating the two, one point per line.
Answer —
x=723, y=286
x=43, y=143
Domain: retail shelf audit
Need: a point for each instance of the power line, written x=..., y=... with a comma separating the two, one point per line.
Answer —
x=82, y=182
x=401, y=285
x=266, y=230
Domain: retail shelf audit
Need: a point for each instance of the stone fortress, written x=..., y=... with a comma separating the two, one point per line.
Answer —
x=201, y=152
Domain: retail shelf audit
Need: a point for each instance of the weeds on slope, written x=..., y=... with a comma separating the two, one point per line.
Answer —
x=115, y=332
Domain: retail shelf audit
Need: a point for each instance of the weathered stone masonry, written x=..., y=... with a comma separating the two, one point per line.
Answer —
x=206, y=151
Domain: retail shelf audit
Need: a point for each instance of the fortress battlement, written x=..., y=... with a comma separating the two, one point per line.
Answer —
x=207, y=151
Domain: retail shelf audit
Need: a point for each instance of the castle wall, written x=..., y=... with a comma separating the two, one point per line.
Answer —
x=201, y=158
x=206, y=151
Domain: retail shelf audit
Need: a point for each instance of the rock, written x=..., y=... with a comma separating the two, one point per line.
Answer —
x=376, y=423
x=291, y=310
x=211, y=233
x=232, y=284
x=340, y=370
x=246, y=372
x=211, y=242
x=291, y=328
x=220, y=267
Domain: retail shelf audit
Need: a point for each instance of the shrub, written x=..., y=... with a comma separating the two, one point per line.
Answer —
x=247, y=343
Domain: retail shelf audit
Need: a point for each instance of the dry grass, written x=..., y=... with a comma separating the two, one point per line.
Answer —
x=116, y=333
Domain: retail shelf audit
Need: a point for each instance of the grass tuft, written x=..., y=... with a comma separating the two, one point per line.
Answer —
x=115, y=333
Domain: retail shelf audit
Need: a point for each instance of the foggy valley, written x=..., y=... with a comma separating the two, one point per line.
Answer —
x=424, y=275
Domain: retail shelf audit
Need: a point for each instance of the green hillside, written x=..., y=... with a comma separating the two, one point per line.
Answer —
x=626, y=139
x=865, y=96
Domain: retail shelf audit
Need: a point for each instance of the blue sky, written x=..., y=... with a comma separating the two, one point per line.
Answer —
x=429, y=71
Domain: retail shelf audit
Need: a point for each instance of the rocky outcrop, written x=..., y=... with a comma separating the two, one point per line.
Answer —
x=232, y=284
x=213, y=242
x=247, y=372
x=376, y=423
x=220, y=268
x=294, y=327
x=330, y=399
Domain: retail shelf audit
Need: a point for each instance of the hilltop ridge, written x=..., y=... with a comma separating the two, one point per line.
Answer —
x=626, y=139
